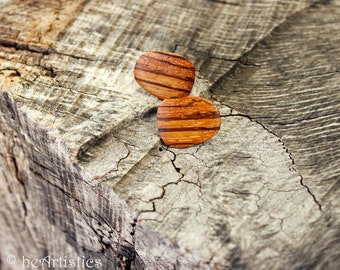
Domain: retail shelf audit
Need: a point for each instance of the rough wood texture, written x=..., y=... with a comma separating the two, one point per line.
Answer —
x=264, y=193
x=50, y=207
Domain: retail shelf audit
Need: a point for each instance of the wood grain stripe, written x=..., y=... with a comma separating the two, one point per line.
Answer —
x=212, y=115
x=190, y=123
x=171, y=63
x=165, y=86
x=170, y=75
x=164, y=130
x=195, y=104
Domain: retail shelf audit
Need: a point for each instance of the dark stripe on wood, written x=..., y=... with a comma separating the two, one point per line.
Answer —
x=169, y=63
x=191, y=117
x=165, y=86
x=165, y=130
x=182, y=78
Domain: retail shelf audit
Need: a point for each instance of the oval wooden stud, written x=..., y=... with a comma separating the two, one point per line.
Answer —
x=187, y=121
x=165, y=74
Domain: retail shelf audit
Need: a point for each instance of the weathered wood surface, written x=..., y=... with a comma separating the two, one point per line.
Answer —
x=51, y=207
x=263, y=194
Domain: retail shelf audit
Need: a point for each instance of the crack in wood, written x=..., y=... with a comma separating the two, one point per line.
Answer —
x=116, y=252
x=24, y=47
x=175, y=159
x=290, y=155
x=13, y=71
x=224, y=2
x=124, y=157
x=242, y=59
x=163, y=187
x=44, y=52
x=311, y=193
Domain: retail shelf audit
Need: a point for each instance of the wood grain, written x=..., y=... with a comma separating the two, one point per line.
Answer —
x=261, y=195
x=37, y=29
x=187, y=121
x=51, y=208
x=165, y=74
x=295, y=93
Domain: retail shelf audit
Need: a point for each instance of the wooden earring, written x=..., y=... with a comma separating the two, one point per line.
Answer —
x=164, y=74
x=183, y=120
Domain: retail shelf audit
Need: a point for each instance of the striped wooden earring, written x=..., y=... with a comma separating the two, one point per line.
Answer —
x=187, y=121
x=183, y=120
x=165, y=74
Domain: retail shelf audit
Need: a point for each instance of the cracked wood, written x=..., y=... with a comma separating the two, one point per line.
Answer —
x=61, y=211
x=266, y=186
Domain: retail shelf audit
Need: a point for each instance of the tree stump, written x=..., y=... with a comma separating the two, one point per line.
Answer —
x=86, y=181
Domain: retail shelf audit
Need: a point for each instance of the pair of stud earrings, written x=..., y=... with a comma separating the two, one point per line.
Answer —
x=183, y=120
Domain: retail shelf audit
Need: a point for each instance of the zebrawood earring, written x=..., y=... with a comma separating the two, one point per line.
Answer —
x=165, y=75
x=183, y=120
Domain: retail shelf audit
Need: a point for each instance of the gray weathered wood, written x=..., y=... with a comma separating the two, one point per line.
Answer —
x=51, y=208
x=260, y=195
